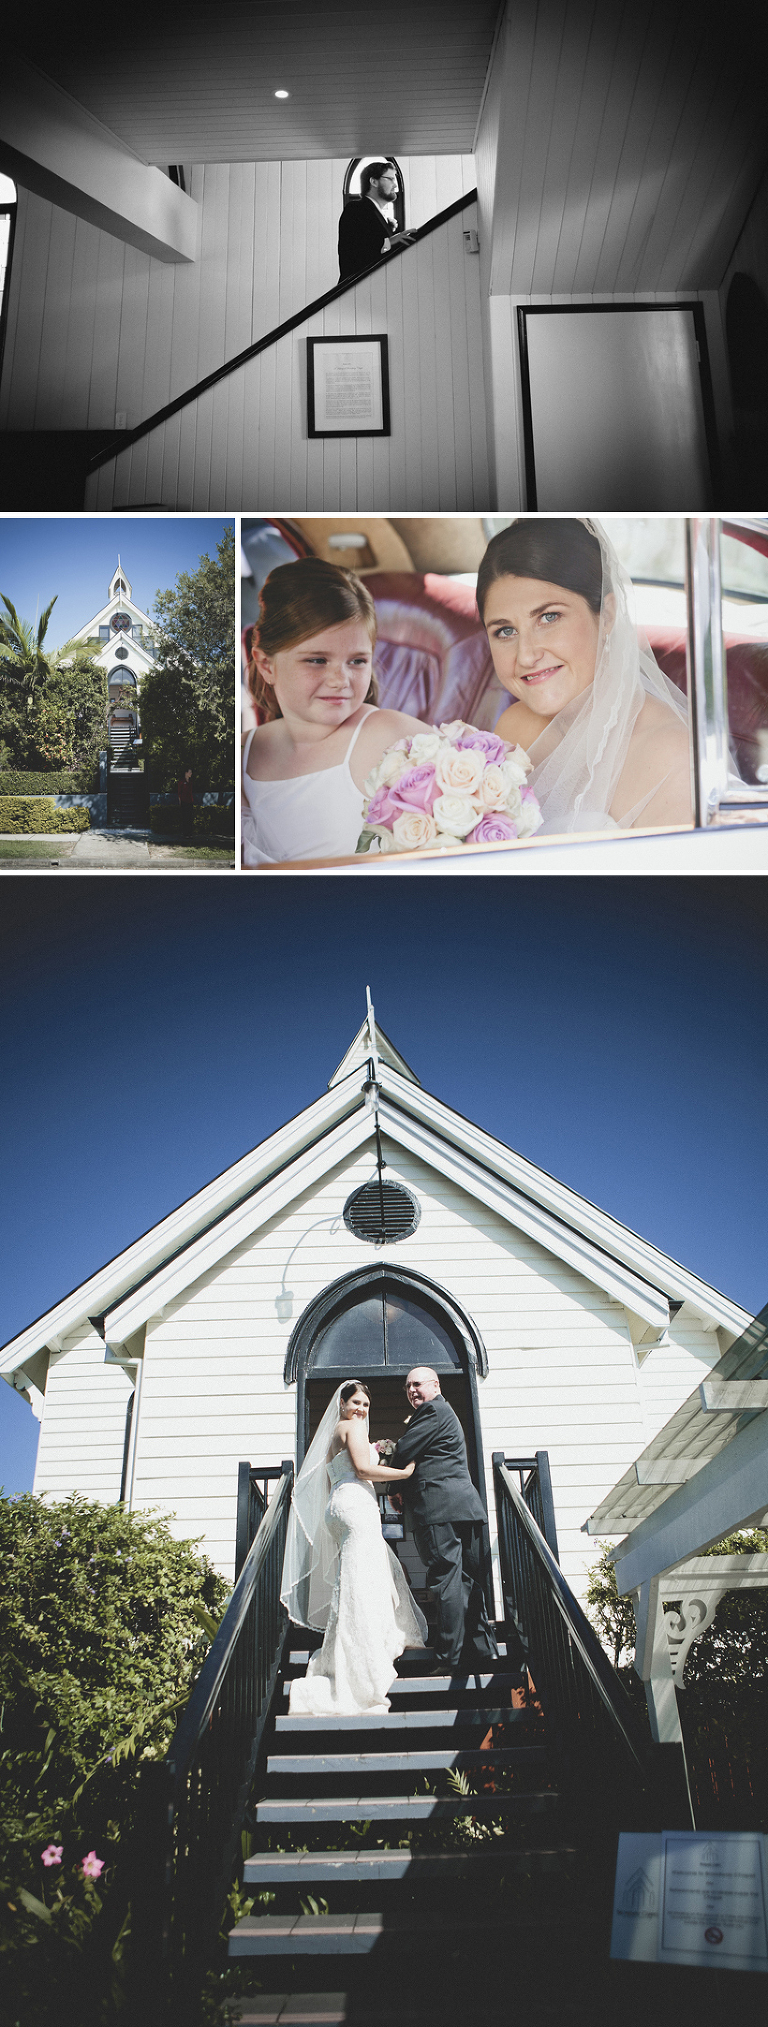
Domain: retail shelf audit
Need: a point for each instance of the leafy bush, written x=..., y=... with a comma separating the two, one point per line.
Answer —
x=39, y=813
x=101, y=1636
x=165, y=821
x=13, y=782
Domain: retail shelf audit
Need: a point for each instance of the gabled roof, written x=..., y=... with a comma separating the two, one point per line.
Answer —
x=156, y=1269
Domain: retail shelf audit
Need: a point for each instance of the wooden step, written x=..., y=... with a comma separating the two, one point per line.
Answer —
x=412, y=1763
x=393, y=1723
x=316, y=1868
x=437, y=1685
x=401, y=1929
x=337, y=2009
x=403, y=1808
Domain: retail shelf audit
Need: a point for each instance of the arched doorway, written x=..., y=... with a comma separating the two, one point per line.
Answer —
x=375, y=1325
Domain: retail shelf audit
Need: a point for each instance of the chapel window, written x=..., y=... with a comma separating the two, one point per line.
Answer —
x=352, y=183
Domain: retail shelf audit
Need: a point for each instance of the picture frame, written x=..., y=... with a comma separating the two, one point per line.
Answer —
x=348, y=386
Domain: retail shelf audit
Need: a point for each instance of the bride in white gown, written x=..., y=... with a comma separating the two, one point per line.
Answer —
x=339, y=1575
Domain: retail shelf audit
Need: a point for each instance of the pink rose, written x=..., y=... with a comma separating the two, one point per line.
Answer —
x=493, y=829
x=417, y=789
x=92, y=1866
x=381, y=808
x=52, y=1854
x=486, y=742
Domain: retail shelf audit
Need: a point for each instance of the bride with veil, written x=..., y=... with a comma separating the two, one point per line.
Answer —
x=605, y=728
x=339, y=1575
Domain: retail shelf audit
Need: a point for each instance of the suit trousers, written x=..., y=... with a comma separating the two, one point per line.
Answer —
x=452, y=1555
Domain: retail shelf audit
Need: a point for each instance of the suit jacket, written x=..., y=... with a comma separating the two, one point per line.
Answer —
x=362, y=232
x=441, y=1488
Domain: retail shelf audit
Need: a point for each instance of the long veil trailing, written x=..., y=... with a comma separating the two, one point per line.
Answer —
x=311, y=1554
x=579, y=756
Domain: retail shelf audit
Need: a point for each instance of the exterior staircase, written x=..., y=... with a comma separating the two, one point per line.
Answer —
x=438, y=1895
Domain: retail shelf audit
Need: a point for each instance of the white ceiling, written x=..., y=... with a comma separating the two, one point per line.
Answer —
x=197, y=83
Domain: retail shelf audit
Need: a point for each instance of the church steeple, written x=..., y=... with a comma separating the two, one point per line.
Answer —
x=120, y=587
x=370, y=1042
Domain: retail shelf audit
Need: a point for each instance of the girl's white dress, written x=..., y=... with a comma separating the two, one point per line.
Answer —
x=309, y=816
x=372, y=1615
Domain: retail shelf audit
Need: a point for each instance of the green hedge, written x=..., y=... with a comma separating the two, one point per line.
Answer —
x=165, y=821
x=39, y=813
x=14, y=783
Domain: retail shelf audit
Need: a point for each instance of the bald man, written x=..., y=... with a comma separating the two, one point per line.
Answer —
x=447, y=1519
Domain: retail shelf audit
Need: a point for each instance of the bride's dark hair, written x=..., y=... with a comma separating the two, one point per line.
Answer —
x=559, y=552
x=354, y=1386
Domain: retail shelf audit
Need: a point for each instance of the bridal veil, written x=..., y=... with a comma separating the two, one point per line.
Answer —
x=311, y=1554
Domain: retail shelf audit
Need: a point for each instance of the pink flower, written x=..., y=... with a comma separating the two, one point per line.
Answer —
x=493, y=829
x=381, y=808
x=486, y=742
x=92, y=1866
x=52, y=1854
x=417, y=789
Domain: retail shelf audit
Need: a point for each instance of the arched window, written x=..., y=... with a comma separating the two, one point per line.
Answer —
x=352, y=183
x=7, y=228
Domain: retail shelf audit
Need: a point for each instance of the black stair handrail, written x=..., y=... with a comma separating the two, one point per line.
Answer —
x=191, y=1805
x=584, y=1702
x=252, y=1498
x=536, y=1488
x=128, y=437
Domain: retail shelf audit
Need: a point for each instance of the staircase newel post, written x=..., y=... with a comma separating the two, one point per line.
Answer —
x=150, y=1897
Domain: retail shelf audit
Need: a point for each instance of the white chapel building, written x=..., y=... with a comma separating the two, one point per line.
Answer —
x=377, y=1230
x=127, y=645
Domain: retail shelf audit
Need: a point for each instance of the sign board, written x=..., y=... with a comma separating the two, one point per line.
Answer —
x=692, y=1897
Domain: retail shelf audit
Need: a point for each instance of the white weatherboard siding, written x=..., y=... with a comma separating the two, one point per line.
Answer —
x=563, y=1374
x=244, y=444
x=97, y=328
x=83, y=1429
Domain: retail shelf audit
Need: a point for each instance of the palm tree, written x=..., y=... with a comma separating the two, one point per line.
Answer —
x=22, y=650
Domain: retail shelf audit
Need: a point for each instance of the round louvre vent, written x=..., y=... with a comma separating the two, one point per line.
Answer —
x=381, y=1212
x=121, y=654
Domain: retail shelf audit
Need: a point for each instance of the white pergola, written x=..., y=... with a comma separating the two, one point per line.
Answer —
x=704, y=1476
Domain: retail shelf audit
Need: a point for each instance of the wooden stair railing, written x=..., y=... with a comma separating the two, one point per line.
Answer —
x=131, y=436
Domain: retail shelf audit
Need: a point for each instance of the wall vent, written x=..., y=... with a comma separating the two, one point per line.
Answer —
x=381, y=1212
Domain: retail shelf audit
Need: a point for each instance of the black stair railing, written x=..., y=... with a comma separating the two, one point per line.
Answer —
x=192, y=1805
x=590, y=1719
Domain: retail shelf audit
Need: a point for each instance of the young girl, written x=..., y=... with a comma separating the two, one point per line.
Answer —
x=311, y=673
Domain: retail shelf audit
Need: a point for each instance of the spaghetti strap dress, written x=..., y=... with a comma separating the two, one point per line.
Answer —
x=309, y=816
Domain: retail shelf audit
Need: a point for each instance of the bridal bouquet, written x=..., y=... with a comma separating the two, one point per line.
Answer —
x=448, y=786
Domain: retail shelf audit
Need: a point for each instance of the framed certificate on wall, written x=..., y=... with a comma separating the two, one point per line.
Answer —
x=348, y=386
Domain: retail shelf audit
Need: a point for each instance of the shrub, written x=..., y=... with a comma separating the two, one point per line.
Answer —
x=13, y=782
x=165, y=821
x=100, y=1641
x=39, y=813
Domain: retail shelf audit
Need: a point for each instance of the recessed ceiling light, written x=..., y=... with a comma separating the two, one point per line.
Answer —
x=282, y=95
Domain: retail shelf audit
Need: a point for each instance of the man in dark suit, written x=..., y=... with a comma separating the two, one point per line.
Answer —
x=366, y=225
x=447, y=1519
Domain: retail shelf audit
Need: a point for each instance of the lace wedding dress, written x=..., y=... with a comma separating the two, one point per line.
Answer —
x=371, y=1617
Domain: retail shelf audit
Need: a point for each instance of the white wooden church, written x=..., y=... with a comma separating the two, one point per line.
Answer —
x=127, y=644
x=377, y=1230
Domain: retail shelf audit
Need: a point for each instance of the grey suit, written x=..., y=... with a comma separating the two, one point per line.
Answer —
x=447, y=1519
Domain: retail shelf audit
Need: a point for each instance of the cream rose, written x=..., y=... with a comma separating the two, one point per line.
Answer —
x=530, y=818
x=413, y=829
x=389, y=770
x=518, y=765
x=459, y=771
x=455, y=814
x=494, y=788
x=424, y=747
x=454, y=730
x=385, y=839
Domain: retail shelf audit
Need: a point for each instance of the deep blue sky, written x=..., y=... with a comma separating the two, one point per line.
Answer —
x=613, y=1031
x=77, y=558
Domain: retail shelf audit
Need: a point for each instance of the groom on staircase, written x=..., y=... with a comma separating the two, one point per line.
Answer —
x=447, y=1520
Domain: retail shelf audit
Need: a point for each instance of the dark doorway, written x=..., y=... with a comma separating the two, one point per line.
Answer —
x=376, y=1325
x=746, y=329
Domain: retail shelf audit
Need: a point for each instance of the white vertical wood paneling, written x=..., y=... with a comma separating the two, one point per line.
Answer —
x=428, y=303
x=95, y=327
x=563, y=1376
x=83, y=1428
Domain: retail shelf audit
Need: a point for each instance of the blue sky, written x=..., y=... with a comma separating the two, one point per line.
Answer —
x=612, y=1031
x=76, y=558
